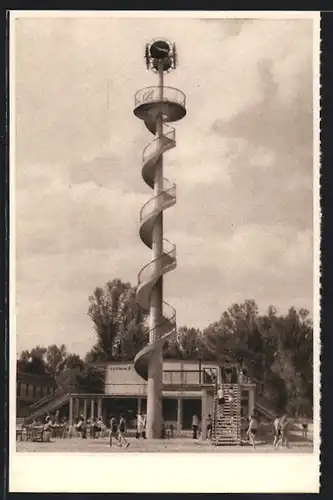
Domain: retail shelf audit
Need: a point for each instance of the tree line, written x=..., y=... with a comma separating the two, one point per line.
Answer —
x=275, y=350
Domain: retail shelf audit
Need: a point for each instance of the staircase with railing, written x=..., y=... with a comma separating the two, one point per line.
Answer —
x=262, y=404
x=227, y=417
x=47, y=404
x=157, y=110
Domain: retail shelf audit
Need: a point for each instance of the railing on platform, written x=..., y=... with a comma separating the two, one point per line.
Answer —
x=152, y=94
x=189, y=377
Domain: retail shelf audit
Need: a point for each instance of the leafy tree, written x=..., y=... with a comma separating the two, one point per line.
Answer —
x=132, y=332
x=119, y=322
x=277, y=351
x=236, y=336
x=54, y=357
x=33, y=361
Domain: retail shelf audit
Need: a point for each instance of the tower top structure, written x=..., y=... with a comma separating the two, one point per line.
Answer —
x=161, y=55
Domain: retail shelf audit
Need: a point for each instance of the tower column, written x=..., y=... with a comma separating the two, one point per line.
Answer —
x=179, y=415
x=99, y=408
x=85, y=409
x=154, y=404
x=70, y=416
x=77, y=407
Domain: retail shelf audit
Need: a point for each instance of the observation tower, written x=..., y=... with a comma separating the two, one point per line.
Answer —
x=157, y=106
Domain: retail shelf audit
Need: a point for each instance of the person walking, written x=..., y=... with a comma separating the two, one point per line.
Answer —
x=253, y=430
x=114, y=431
x=285, y=424
x=195, y=426
x=122, y=431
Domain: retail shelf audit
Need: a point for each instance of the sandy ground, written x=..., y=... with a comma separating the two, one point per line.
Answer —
x=140, y=446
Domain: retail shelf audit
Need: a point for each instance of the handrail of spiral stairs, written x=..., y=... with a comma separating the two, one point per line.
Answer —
x=149, y=105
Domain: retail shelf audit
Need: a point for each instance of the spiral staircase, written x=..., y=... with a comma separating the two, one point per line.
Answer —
x=151, y=107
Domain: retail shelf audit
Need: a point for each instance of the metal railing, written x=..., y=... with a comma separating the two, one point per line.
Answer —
x=46, y=399
x=187, y=377
x=152, y=94
x=169, y=136
x=165, y=197
x=168, y=256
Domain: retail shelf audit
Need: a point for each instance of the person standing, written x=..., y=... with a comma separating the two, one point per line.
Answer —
x=139, y=425
x=230, y=396
x=241, y=376
x=220, y=399
x=305, y=427
x=209, y=426
x=195, y=426
x=277, y=432
x=144, y=426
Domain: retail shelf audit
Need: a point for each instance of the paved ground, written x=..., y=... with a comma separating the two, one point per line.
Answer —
x=139, y=446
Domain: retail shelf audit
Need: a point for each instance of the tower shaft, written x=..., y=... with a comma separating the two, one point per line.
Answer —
x=157, y=106
x=155, y=370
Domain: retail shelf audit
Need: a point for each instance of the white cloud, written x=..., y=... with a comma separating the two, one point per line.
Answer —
x=243, y=167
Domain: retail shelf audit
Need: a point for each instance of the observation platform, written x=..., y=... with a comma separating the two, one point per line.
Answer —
x=148, y=103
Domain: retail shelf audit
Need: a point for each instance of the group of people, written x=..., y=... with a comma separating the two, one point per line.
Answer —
x=118, y=432
x=95, y=425
x=280, y=431
x=223, y=396
x=49, y=423
x=280, y=425
x=60, y=427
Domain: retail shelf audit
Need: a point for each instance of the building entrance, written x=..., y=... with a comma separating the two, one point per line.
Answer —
x=190, y=407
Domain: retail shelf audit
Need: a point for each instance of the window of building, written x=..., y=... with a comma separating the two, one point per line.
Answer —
x=23, y=389
x=37, y=391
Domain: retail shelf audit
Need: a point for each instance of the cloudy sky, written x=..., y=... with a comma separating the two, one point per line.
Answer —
x=243, y=167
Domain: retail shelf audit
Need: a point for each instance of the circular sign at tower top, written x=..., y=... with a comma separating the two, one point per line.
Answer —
x=160, y=49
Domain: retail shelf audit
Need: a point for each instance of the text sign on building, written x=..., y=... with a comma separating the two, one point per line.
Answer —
x=123, y=379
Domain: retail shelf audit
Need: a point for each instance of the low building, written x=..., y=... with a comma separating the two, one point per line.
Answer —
x=31, y=388
x=188, y=388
